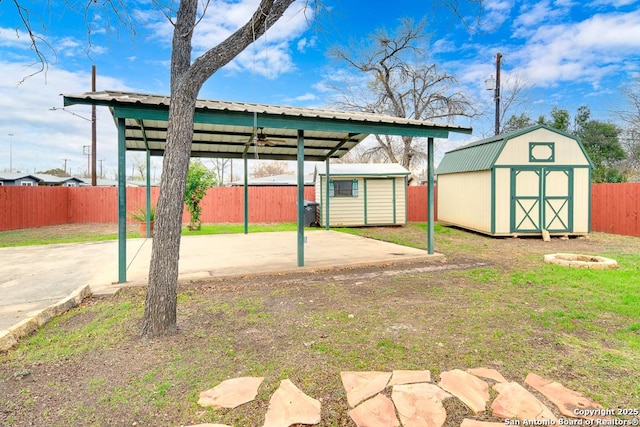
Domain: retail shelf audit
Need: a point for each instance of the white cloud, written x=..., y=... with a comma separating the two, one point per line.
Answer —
x=305, y=43
x=42, y=138
x=269, y=55
x=587, y=50
x=614, y=3
x=495, y=13
x=306, y=97
x=532, y=15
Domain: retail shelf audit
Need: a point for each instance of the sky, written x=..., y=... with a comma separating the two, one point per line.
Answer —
x=567, y=53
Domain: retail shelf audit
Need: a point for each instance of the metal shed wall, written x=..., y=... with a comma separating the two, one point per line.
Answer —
x=459, y=191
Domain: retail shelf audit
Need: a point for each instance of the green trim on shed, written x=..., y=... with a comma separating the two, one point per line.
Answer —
x=482, y=155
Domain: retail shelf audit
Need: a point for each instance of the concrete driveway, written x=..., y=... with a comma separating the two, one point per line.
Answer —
x=34, y=277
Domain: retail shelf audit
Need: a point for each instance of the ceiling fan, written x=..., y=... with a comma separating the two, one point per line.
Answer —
x=261, y=139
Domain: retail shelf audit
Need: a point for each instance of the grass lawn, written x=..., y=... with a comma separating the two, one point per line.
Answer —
x=94, y=232
x=513, y=313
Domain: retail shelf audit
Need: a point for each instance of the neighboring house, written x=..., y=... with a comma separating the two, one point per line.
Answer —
x=276, y=180
x=517, y=184
x=62, y=181
x=362, y=194
x=18, y=179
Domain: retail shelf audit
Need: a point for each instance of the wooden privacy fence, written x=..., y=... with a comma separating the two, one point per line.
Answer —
x=28, y=207
x=614, y=209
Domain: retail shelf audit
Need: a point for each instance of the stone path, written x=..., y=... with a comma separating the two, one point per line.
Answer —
x=416, y=401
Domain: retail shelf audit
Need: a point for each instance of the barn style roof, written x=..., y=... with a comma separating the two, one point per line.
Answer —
x=482, y=155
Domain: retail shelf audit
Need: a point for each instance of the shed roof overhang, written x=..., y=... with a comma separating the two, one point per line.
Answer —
x=224, y=129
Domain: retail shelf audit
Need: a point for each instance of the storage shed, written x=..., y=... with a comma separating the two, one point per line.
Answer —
x=362, y=194
x=518, y=183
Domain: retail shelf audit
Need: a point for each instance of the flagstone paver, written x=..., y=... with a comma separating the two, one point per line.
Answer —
x=231, y=393
x=420, y=405
x=289, y=405
x=409, y=377
x=375, y=412
x=492, y=374
x=361, y=385
x=470, y=389
x=564, y=399
x=514, y=401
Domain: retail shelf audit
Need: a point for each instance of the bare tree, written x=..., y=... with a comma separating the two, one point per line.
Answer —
x=270, y=168
x=630, y=138
x=219, y=168
x=187, y=78
x=513, y=101
x=401, y=84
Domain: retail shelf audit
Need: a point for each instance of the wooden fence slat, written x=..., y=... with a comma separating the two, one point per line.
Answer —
x=615, y=208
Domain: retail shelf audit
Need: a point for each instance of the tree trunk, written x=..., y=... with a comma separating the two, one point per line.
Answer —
x=160, y=313
x=161, y=302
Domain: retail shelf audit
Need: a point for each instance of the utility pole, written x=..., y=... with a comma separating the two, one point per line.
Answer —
x=101, y=161
x=497, y=92
x=93, y=129
x=86, y=150
x=494, y=85
x=65, y=165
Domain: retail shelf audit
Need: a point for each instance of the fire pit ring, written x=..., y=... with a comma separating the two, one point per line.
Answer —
x=581, y=261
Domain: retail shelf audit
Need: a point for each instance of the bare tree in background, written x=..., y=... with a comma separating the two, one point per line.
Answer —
x=187, y=78
x=630, y=137
x=270, y=168
x=513, y=100
x=399, y=83
x=219, y=168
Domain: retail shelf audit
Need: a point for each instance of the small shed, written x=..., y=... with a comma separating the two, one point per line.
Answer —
x=362, y=194
x=518, y=183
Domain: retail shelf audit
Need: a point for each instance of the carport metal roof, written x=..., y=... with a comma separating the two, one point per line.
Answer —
x=224, y=129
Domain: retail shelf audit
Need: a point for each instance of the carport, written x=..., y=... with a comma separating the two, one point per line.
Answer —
x=238, y=130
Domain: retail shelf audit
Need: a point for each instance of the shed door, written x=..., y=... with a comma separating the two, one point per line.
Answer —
x=380, y=200
x=558, y=200
x=525, y=200
x=542, y=198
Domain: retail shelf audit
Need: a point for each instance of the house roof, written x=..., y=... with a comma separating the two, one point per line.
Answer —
x=482, y=154
x=363, y=169
x=14, y=176
x=52, y=179
x=226, y=129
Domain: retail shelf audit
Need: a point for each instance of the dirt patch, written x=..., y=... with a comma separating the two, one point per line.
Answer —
x=461, y=313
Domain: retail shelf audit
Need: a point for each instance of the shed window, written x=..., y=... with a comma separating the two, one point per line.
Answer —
x=26, y=184
x=70, y=184
x=343, y=188
x=540, y=152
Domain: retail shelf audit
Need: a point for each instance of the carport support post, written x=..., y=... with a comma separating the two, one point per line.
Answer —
x=148, y=191
x=326, y=199
x=246, y=194
x=122, y=203
x=430, y=201
x=300, y=198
